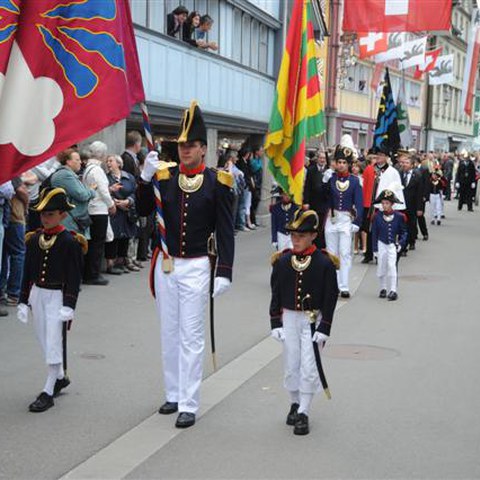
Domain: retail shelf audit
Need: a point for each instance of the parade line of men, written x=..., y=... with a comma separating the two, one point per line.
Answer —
x=194, y=260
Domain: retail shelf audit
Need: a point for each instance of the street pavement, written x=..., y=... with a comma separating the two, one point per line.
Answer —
x=402, y=376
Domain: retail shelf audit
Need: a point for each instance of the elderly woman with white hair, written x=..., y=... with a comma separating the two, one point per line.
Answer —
x=99, y=208
x=122, y=188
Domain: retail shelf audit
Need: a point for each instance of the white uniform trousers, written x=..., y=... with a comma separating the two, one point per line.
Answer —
x=436, y=207
x=338, y=239
x=387, y=266
x=181, y=298
x=301, y=372
x=46, y=305
x=284, y=241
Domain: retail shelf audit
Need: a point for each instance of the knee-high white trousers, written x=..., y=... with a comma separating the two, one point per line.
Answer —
x=436, y=206
x=46, y=305
x=387, y=266
x=301, y=372
x=338, y=239
x=181, y=298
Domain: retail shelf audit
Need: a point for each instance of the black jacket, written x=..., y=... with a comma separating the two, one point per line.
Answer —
x=129, y=164
x=190, y=218
x=58, y=268
x=290, y=287
x=173, y=29
x=465, y=173
x=314, y=192
x=414, y=192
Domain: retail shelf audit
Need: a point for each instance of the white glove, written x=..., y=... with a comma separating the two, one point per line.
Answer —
x=354, y=228
x=473, y=185
x=399, y=248
x=319, y=338
x=327, y=175
x=66, y=314
x=221, y=285
x=275, y=245
x=375, y=254
x=151, y=165
x=278, y=334
x=22, y=312
x=457, y=185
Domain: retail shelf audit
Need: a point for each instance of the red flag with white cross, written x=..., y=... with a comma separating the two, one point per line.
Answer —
x=68, y=68
x=397, y=15
x=372, y=43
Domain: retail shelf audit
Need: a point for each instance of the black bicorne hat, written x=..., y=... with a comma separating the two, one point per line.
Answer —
x=51, y=199
x=304, y=221
x=344, y=153
x=192, y=127
x=387, y=195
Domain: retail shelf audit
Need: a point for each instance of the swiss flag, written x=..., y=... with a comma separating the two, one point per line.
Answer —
x=430, y=60
x=67, y=70
x=397, y=15
x=372, y=43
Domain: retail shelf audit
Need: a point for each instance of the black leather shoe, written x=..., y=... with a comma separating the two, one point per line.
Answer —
x=392, y=296
x=292, y=414
x=345, y=294
x=301, y=426
x=185, y=420
x=97, y=281
x=382, y=294
x=425, y=238
x=439, y=222
x=411, y=247
x=43, y=402
x=60, y=384
x=168, y=407
x=366, y=260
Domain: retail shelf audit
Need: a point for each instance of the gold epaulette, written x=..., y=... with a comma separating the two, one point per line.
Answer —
x=81, y=240
x=225, y=178
x=163, y=172
x=333, y=258
x=30, y=234
x=277, y=255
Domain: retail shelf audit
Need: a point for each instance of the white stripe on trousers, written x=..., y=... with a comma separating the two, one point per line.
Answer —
x=46, y=305
x=301, y=372
x=338, y=239
x=181, y=298
x=387, y=266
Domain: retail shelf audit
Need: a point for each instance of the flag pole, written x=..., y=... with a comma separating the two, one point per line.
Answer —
x=167, y=265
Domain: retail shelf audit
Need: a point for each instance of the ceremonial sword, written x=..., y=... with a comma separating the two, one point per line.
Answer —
x=212, y=255
x=312, y=316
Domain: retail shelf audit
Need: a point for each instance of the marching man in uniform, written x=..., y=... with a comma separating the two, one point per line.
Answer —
x=51, y=284
x=281, y=214
x=197, y=204
x=304, y=296
x=389, y=237
x=346, y=210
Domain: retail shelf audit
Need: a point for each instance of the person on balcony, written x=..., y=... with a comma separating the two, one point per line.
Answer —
x=176, y=22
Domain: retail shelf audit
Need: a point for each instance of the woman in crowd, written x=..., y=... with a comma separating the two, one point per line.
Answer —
x=243, y=164
x=191, y=28
x=79, y=195
x=123, y=221
x=99, y=208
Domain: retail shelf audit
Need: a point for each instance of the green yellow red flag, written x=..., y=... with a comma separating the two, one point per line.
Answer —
x=297, y=112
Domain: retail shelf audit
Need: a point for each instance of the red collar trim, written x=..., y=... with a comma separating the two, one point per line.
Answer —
x=388, y=212
x=343, y=175
x=307, y=251
x=193, y=171
x=54, y=231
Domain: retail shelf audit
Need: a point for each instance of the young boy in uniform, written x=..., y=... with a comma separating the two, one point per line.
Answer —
x=281, y=214
x=389, y=238
x=304, y=287
x=51, y=283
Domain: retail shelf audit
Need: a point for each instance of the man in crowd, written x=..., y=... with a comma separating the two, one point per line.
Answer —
x=413, y=190
x=465, y=181
x=6, y=193
x=197, y=208
x=176, y=22
x=133, y=145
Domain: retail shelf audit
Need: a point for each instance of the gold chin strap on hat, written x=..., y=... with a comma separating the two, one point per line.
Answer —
x=187, y=122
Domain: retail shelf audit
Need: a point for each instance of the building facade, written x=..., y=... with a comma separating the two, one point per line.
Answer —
x=447, y=127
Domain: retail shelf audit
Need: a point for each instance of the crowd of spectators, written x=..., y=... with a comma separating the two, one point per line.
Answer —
x=191, y=27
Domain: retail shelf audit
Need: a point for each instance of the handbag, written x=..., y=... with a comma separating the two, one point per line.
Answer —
x=82, y=222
